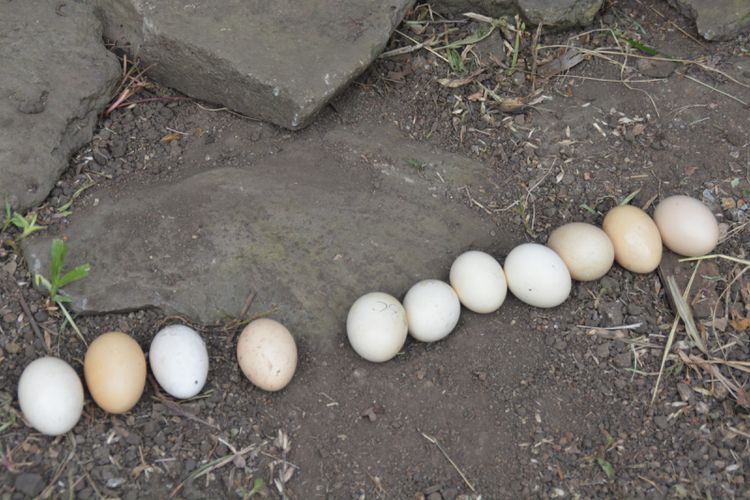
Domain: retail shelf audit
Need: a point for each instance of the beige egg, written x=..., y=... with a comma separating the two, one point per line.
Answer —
x=586, y=250
x=267, y=354
x=635, y=238
x=687, y=226
x=115, y=371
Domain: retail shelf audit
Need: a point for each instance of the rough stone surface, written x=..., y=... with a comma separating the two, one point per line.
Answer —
x=56, y=75
x=278, y=61
x=559, y=14
x=716, y=19
x=309, y=230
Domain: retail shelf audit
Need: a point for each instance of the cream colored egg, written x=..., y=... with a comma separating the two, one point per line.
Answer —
x=479, y=281
x=635, y=237
x=376, y=326
x=585, y=249
x=115, y=371
x=537, y=275
x=267, y=354
x=432, y=310
x=687, y=226
x=50, y=394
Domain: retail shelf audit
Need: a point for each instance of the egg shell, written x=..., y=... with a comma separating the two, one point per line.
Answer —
x=179, y=361
x=267, y=354
x=479, y=281
x=635, y=237
x=50, y=394
x=115, y=371
x=376, y=326
x=432, y=310
x=687, y=226
x=537, y=275
x=586, y=250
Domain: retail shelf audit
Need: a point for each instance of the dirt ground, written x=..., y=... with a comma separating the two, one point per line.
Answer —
x=520, y=403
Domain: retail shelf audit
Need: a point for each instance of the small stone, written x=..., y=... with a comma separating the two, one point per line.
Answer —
x=29, y=484
x=661, y=422
x=115, y=482
x=686, y=393
x=602, y=351
x=623, y=360
x=12, y=348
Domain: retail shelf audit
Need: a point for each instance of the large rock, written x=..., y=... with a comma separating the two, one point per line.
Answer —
x=279, y=61
x=716, y=19
x=309, y=230
x=554, y=14
x=56, y=75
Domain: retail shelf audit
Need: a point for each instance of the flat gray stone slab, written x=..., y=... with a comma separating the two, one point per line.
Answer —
x=56, y=75
x=279, y=61
x=554, y=14
x=717, y=19
x=309, y=230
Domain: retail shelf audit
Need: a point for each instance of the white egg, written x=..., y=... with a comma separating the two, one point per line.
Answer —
x=50, y=394
x=179, y=361
x=432, y=310
x=537, y=275
x=376, y=326
x=479, y=281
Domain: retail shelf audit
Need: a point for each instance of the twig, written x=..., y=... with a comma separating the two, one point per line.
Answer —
x=246, y=307
x=670, y=339
x=714, y=88
x=717, y=256
x=32, y=321
x=445, y=454
x=534, y=58
x=631, y=326
x=429, y=49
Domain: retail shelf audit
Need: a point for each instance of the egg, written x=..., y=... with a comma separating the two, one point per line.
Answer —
x=586, y=250
x=635, y=237
x=687, y=226
x=432, y=310
x=479, y=281
x=376, y=326
x=179, y=361
x=115, y=371
x=537, y=275
x=50, y=394
x=267, y=354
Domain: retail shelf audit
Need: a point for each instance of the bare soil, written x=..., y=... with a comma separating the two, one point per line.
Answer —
x=520, y=403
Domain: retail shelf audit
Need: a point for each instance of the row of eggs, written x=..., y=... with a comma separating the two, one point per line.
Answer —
x=377, y=324
x=50, y=392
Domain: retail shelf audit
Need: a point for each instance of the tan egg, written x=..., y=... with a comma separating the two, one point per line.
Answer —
x=267, y=354
x=635, y=238
x=115, y=371
x=687, y=226
x=586, y=250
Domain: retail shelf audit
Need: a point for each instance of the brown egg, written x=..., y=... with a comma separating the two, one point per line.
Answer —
x=267, y=354
x=687, y=226
x=585, y=249
x=635, y=238
x=115, y=371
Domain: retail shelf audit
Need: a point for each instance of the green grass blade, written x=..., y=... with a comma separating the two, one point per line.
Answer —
x=76, y=274
x=58, y=253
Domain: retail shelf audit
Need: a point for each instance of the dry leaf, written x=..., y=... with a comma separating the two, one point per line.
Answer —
x=172, y=136
x=743, y=397
x=570, y=58
x=513, y=105
x=741, y=324
x=454, y=83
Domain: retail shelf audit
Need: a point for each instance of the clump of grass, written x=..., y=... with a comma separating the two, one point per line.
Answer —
x=27, y=224
x=57, y=280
